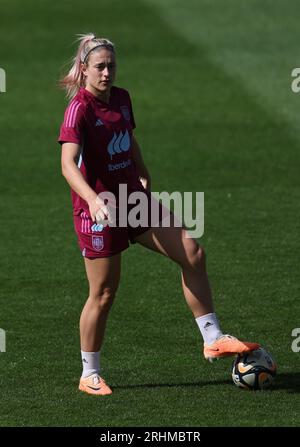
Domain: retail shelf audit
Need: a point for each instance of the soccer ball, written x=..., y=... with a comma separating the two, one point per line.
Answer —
x=254, y=370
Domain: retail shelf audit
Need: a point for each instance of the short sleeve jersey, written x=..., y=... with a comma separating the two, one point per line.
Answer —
x=104, y=132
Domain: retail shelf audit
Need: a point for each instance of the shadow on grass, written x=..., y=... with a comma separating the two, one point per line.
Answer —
x=287, y=381
x=174, y=385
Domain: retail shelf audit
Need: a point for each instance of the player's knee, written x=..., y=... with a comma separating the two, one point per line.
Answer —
x=196, y=257
x=103, y=298
x=201, y=259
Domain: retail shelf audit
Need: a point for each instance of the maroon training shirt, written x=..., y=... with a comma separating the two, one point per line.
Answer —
x=104, y=132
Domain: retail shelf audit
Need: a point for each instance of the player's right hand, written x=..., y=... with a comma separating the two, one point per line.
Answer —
x=94, y=207
x=104, y=215
x=100, y=212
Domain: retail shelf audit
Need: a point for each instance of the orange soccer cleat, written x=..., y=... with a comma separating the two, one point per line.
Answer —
x=94, y=384
x=227, y=346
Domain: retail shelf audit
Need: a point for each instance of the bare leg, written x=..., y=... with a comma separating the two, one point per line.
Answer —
x=103, y=275
x=173, y=243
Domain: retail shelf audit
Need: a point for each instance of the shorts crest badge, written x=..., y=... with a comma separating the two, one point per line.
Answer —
x=97, y=242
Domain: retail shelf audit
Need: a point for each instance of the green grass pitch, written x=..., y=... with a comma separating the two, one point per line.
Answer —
x=211, y=88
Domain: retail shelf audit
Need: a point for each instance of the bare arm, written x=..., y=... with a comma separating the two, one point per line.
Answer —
x=141, y=167
x=71, y=172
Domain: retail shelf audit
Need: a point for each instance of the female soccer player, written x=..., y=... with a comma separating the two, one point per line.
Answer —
x=100, y=152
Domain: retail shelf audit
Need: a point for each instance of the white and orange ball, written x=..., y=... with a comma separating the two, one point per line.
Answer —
x=254, y=370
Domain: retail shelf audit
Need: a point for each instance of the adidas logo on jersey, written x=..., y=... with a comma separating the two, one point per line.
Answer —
x=99, y=122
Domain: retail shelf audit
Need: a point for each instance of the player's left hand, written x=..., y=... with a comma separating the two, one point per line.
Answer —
x=146, y=182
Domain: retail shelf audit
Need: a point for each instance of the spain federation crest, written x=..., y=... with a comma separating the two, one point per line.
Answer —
x=125, y=112
x=97, y=242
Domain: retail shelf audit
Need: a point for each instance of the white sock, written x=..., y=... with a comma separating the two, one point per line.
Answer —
x=90, y=363
x=209, y=328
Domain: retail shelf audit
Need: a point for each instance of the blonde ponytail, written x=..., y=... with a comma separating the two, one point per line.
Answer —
x=75, y=78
